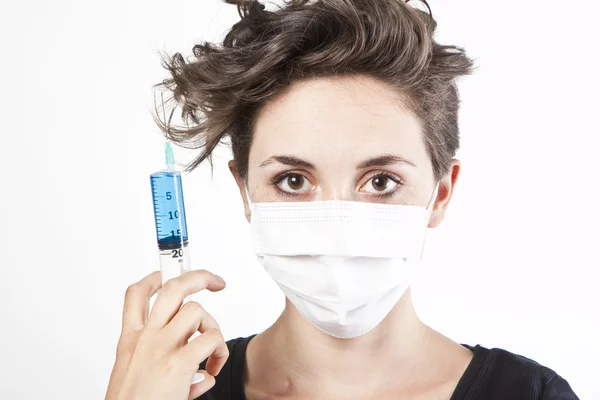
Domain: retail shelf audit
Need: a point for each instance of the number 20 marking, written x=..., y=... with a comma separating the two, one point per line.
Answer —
x=177, y=253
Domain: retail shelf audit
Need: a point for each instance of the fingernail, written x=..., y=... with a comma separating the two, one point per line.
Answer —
x=221, y=279
x=198, y=377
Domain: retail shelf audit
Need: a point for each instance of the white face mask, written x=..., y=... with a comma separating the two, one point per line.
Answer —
x=342, y=264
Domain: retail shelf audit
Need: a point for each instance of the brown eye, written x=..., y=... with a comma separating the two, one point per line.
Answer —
x=295, y=182
x=380, y=183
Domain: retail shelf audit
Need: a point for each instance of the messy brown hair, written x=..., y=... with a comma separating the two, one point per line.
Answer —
x=220, y=90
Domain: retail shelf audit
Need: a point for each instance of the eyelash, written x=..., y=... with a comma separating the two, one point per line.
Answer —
x=276, y=180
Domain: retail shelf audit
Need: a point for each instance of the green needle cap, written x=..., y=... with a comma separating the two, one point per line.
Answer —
x=169, y=154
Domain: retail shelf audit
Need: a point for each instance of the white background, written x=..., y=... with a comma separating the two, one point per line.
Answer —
x=515, y=265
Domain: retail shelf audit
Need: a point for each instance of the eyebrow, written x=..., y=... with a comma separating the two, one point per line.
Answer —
x=288, y=160
x=387, y=159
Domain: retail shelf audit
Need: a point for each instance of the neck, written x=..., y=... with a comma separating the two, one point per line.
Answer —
x=293, y=353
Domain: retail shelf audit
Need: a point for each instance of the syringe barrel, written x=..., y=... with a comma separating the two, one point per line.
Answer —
x=170, y=221
x=174, y=262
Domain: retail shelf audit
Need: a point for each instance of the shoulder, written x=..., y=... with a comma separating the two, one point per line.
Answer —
x=515, y=376
x=229, y=383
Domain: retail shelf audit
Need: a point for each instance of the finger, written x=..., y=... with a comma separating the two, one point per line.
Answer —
x=192, y=317
x=209, y=343
x=173, y=293
x=198, y=389
x=137, y=299
x=216, y=360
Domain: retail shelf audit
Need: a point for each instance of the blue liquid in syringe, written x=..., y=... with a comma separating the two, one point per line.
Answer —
x=169, y=211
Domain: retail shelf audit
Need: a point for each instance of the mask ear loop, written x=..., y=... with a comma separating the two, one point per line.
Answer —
x=433, y=197
x=248, y=198
x=429, y=211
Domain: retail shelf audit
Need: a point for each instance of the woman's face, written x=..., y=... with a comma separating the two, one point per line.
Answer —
x=345, y=138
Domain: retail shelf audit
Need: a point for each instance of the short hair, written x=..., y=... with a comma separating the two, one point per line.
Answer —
x=220, y=90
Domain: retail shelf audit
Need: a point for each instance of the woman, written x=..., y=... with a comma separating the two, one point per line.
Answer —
x=342, y=116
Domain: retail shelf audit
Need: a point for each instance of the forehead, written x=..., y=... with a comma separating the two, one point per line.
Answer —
x=335, y=120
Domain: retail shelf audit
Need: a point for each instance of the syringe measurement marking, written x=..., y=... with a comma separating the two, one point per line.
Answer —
x=171, y=214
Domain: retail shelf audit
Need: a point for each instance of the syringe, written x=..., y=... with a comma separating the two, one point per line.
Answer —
x=169, y=217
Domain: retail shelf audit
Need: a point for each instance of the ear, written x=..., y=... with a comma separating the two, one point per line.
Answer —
x=445, y=190
x=241, y=183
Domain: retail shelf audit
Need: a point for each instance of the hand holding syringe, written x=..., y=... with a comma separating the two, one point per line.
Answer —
x=156, y=359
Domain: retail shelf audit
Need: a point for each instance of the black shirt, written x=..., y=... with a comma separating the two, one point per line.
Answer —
x=493, y=374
